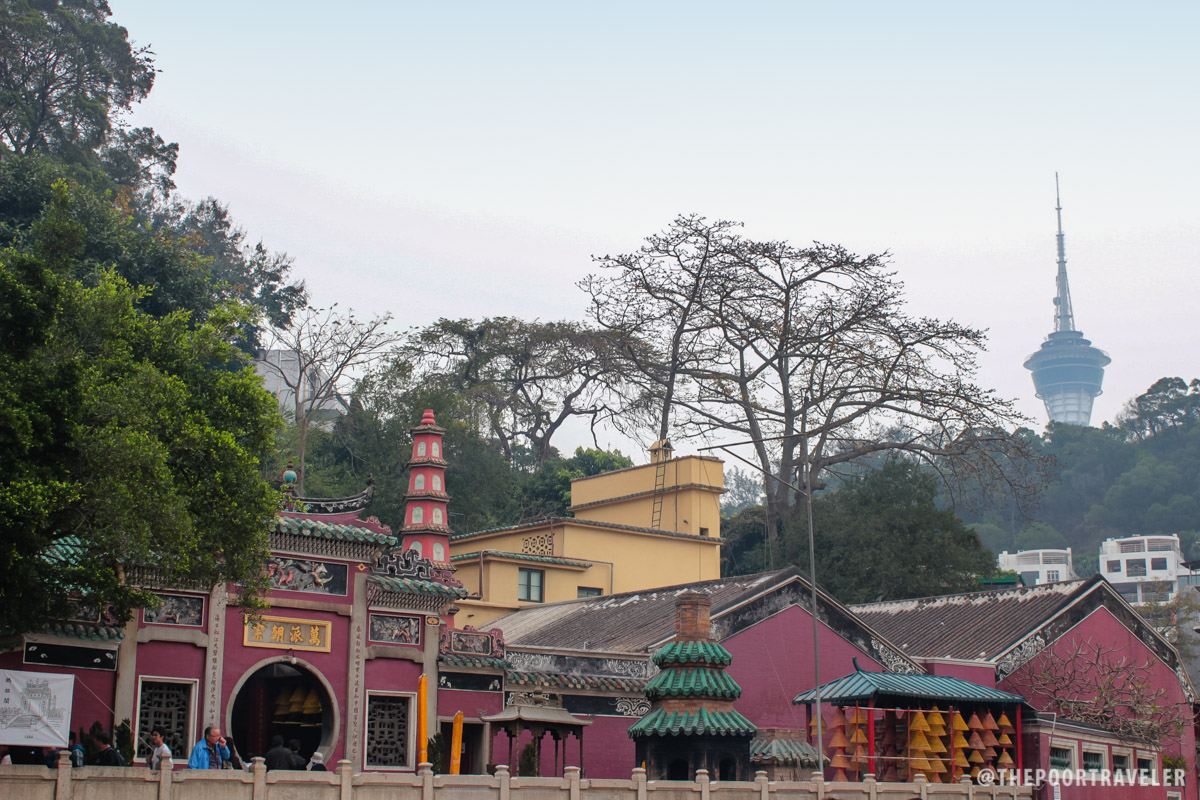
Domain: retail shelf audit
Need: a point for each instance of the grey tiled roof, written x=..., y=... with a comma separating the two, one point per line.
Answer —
x=564, y=562
x=976, y=626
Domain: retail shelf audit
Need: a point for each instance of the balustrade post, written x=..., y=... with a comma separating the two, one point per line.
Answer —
x=639, y=782
x=503, y=781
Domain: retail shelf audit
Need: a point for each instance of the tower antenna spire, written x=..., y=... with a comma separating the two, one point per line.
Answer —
x=1064, y=316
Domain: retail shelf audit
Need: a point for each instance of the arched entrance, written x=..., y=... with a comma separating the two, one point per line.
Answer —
x=284, y=697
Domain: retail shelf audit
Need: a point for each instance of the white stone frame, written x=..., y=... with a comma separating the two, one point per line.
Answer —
x=326, y=747
x=411, y=764
x=1070, y=745
x=1105, y=761
x=192, y=706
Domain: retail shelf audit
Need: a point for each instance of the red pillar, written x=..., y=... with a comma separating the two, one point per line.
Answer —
x=1020, y=744
x=871, y=738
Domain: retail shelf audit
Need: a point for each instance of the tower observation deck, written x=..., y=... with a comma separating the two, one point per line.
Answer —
x=1067, y=370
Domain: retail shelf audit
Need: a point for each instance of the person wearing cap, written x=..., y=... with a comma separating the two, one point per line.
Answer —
x=317, y=763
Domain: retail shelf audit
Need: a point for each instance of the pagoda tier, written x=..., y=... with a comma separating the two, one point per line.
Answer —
x=426, y=527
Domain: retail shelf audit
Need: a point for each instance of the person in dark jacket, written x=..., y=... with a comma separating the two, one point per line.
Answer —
x=279, y=756
x=107, y=756
x=298, y=761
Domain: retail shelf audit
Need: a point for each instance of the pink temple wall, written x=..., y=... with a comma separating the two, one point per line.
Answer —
x=772, y=662
x=982, y=674
x=1102, y=627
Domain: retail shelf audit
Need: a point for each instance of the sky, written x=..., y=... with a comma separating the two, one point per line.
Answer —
x=469, y=159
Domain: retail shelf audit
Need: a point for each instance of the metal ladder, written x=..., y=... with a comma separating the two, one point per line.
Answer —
x=660, y=486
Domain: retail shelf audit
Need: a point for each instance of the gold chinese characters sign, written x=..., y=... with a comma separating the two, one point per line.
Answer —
x=286, y=633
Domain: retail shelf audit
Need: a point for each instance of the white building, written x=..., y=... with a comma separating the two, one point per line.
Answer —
x=1039, y=566
x=1144, y=568
x=280, y=371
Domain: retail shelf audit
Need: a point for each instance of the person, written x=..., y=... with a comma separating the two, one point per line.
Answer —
x=279, y=756
x=76, y=750
x=235, y=758
x=317, y=763
x=161, y=752
x=5, y=756
x=298, y=761
x=106, y=755
x=210, y=752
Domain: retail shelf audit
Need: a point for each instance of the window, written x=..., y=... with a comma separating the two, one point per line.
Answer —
x=439, y=552
x=1135, y=567
x=704, y=531
x=1093, y=760
x=165, y=704
x=416, y=548
x=420, y=448
x=418, y=515
x=529, y=585
x=437, y=516
x=1052, y=576
x=387, y=730
x=1134, y=547
x=418, y=483
x=1145, y=764
x=588, y=591
x=1162, y=544
x=1114, y=566
x=1158, y=563
x=437, y=483
x=1121, y=762
x=1061, y=757
x=436, y=449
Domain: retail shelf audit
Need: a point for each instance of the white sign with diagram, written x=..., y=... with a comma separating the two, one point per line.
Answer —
x=35, y=708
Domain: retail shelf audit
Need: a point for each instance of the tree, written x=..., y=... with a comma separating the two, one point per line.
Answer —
x=67, y=74
x=1101, y=684
x=1169, y=403
x=130, y=440
x=806, y=353
x=527, y=379
x=314, y=359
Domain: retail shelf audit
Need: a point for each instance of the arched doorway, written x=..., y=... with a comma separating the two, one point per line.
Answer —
x=285, y=699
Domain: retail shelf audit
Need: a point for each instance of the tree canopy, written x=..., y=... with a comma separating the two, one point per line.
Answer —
x=132, y=440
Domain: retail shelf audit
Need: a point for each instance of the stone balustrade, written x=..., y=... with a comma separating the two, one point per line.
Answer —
x=138, y=783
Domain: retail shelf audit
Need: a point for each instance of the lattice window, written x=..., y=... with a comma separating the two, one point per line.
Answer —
x=540, y=545
x=387, y=730
x=168, y=706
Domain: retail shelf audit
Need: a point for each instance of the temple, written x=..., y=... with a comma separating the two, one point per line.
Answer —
x=691, y=671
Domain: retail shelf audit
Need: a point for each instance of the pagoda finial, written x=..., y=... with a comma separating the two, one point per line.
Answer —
x=427, y=417
x=1064, y=317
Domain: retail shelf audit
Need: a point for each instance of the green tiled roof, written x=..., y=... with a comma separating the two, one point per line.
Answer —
x=90, y=631
x=558, y=680
x=415, y=586
x=692, y=723
x=866, y=685
x=783, y=751
x=566, y=562
x=693, y=682
x=331, y=530
x=692, y=652
x=484, y=662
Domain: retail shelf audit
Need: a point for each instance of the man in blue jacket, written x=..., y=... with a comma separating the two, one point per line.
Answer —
x=210, y=752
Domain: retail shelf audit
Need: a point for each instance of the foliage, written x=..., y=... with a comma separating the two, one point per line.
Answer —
x=68, y=75
x=1175, y=617
x=123, y=740
x=547, y=492
x=312, y=360
x=1100, y=684
x=131, y=439
x=437, y=750
x=523, y=380
x=530, y=765
x=879, y=537
x=742, y=490
x=807, y=352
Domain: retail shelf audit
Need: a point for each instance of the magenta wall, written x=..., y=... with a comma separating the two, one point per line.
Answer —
x=239, y=661
x=94, y=690
x=1102, y=627
x=472, y=704
x=773, y=662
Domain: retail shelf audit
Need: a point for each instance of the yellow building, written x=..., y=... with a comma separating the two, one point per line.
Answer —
x=658, y=524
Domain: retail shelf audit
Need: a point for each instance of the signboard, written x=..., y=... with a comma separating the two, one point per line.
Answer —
x=35, y=708
x=288, y=633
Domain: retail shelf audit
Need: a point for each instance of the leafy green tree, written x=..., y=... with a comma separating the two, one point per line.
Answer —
x=882, y=537
x=993, y=537
x=130, y=440
x=1040, y=536
x=547, y=492
x=67, y=74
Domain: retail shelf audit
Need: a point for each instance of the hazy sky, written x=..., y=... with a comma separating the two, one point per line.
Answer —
x=468, y=159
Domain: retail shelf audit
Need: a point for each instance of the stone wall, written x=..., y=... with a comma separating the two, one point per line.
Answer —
x=138, y=783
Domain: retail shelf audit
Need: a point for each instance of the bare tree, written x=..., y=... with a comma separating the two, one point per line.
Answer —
x=1103, y=685
x=806, y=353
x=526, y=379
x=315, y=359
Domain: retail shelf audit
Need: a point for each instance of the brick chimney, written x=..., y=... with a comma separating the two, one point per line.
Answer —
x=691, y=617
